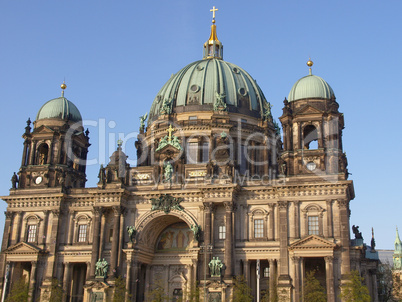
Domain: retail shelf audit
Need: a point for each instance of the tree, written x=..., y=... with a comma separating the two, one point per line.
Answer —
x=242, y=292
x=56, y=291
x=354, y=289
x=193, y=295
x=157, y=292
x=313, y=290
x=119, y=290
x=19, y=291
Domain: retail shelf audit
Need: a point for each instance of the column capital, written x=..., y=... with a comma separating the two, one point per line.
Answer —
x=56, y=212
x=97, y=211
x=229, y=206
x=282, y=205
x=343, y=203
x=208, y=207
x=296, y=258
x=117, y=210
x=329, y=259
x=9, y=214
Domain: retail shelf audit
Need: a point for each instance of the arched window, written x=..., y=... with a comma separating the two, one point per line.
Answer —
x=32, y=229
x=310, y=137
x=43, y=152
x=82, y=225
x=313, y=215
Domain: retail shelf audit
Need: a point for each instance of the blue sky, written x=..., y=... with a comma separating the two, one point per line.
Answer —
x=116, y=55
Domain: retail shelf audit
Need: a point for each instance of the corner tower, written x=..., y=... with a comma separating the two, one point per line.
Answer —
x=312, y=130
x=55, y=152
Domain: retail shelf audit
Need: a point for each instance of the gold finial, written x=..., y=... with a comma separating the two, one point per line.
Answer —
x=63, y=86
x=309, y=64
x=213, y=10
x=170, y=130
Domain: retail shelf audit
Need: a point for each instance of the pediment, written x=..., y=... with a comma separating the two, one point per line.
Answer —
x=43, y=130
x=23, y=248
x=168, y=149
x=312, y=242
x=308, y=109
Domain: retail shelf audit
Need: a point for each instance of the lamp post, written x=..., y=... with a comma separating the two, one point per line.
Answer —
x=205, y=249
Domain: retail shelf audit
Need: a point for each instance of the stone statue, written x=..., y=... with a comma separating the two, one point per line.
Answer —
x=14, y=181
x=102, y=175
x=176, y=143
x=168, y=172
x=162, y=143
x=358, y=235
x=215, y=267
x=267, y=111
x=196, y=231
x=220, y=104
x=167, y=106
x=131, y=232
x=101, y=268
x=143, y=118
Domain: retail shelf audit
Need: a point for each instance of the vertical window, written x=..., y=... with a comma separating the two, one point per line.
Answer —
x=82, y=233
x=266, y=272
x=243, y=159
x=313, y=228
x=258, y=228
x=31, y=236
x=205, y=152
x=110, y=235
x=192, y=149
x=222, y=232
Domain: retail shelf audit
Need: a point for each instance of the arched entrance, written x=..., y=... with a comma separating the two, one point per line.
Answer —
x=167, y=255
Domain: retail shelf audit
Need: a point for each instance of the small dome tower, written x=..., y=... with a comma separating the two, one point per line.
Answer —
x=312, y=130
x=55, y=152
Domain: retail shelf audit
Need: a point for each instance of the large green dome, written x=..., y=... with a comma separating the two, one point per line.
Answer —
x=310, y=87
x=59, y=108
x=194, y=88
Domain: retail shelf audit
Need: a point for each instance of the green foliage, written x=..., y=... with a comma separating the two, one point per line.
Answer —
x=56, y=291
x=242, y=292
x=119, y=290
x=19, y=291
x=157, y=292
x=194, y=294
x=313, y=290
x=354, y=289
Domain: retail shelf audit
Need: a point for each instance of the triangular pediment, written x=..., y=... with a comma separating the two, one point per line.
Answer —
x=168, y=149
x=309, y=110
x=23, y=248
x=312, y=242
x=43, y=130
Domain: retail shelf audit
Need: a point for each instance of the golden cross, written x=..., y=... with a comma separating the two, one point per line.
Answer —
x=170, y=130
x=213, y=10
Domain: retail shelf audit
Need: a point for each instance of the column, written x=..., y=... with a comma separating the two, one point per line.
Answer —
x=272, y=278
x=32, y=281
x=7, y=229
x=134, y=287
x=121, y=239
x=297, y=218
x=228, y=239
x=271, y=220
x=129, y=269
x=329, y=274
x=97, y=212
x=283, y=238
x=16, y=228
x=296, y=264
x=45, y=226
x=115, y=240
x=330, y=219
x=246, y=271
x=53, y=244
x=345, y=236
x=71, y=228
x=102, y=234
x=66, y=280
x=208, y=208
x=88, y=273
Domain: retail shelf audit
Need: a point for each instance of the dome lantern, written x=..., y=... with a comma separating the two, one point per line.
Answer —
x=213, y=48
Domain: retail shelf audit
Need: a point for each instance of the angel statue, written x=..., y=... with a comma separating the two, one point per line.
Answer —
x=143, y=118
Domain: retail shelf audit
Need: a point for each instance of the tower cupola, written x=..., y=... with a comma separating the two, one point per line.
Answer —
x=213, y=48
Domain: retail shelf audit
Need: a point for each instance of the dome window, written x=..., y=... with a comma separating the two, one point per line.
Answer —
x=236, y=70
x=243, y=91
x=199, y=68
x=194, y=88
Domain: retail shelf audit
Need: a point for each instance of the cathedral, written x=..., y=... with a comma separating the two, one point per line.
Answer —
x=220, y=190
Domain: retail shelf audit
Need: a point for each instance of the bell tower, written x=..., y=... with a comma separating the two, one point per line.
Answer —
x=312, y=130
x=55, y=152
